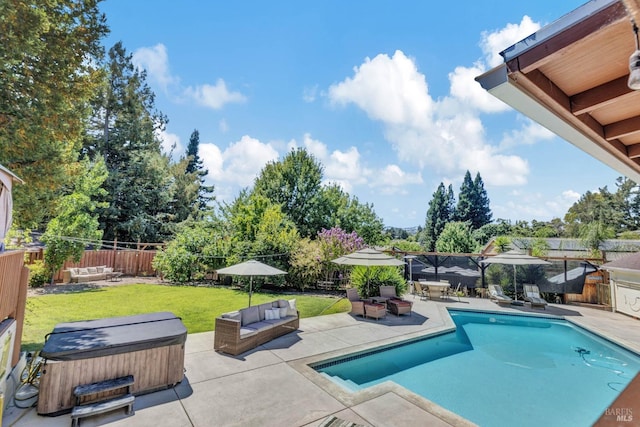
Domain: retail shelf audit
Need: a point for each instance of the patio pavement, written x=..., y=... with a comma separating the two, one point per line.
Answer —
x=273, y=385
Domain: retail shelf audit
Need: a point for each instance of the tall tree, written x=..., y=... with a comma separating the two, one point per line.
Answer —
x=196, y=166
x=438, y=215
x=456, y=238
x=48, y=58
x=295, y=184
x=481, y=209
x=125, y=123
x=75, y=224
x=473, y=202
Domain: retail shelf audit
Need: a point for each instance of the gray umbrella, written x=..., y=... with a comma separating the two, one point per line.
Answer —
x=251, y=268
x=368, y=257
x=514, y=258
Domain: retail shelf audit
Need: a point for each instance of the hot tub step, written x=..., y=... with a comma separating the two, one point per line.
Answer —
x=90, y=409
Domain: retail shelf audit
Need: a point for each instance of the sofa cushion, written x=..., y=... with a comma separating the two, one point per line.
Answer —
x=247, y=332
x=234, y=315
x=74, y=271
x=264, y=307
x=283, y=311
x=82, y=271
x=108, y=270
x=92, y=270
x=250, y=315
x=283, y=303
x=268, y=315
x=260, y=326
x=276, y=313
x=100, y=269
x=292, y=311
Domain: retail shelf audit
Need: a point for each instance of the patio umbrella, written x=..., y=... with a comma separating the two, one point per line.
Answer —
x=514, y=258
x=368, y=257
x=251, y=268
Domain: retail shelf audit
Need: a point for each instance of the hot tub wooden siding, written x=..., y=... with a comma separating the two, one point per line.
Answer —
x=153, y=368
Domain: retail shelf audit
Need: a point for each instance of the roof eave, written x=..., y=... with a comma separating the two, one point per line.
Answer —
x=497, y=82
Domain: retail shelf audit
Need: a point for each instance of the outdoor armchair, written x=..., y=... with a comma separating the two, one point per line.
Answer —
x=532, y=296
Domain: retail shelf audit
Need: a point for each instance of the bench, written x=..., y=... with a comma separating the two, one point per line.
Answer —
x=96, y=407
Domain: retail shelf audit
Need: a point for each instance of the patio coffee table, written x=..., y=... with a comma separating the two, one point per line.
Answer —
x=114, y=276
x=374, y=310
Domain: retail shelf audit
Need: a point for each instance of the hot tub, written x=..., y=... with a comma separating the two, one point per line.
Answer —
x=148, y=346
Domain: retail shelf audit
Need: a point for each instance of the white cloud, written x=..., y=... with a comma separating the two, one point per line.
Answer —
x=493, y=43
x=387, y=89
x=156, y=62
x=309, y=94
x=464, y=88
x=393, y=180
x=240, y=163
x=443, y=135
x=223, y=126
x=214, y=96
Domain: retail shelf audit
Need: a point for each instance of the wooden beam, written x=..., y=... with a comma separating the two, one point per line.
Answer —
x=600, y=96
x=622, y=128
x=633, y=151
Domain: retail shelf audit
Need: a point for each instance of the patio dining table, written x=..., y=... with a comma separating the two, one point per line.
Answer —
x=436, y=289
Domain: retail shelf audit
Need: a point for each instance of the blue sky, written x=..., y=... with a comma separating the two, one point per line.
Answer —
x=382, y=93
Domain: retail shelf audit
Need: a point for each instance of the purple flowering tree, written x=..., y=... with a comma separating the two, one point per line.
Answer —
x=334, y=243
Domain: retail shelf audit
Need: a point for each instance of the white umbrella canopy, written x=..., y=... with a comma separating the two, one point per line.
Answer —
x=368, y=257
x=515, y=258
x=251, y=268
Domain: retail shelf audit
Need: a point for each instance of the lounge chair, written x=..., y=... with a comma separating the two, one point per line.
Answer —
x=423, y=293
x=357, y=305
x=497, y=295
x=532, y=296
x=395, y=304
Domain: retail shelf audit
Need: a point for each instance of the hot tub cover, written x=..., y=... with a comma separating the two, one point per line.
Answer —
x=115, y=335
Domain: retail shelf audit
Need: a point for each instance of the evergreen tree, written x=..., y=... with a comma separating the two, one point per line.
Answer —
x=195, y=166
x=124, y=128
x=481, y=209
x=473, y=202
x=48, y=72
x=464, y=209
x=438, y=215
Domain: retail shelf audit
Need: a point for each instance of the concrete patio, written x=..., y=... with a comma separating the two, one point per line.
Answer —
x=274, y=386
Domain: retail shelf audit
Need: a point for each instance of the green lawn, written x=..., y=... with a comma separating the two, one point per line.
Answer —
x=197, y=306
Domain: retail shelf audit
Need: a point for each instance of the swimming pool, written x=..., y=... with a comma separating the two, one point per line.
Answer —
x=501, y=370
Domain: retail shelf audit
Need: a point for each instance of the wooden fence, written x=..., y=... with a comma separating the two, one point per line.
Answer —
x=14, y=277
x=130, y=262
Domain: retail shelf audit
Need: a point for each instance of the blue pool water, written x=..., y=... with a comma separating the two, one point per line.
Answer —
x=501, y=370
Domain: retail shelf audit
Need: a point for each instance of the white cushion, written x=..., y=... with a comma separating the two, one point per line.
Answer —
x=268, y=315
x=292, y=311
x=283, y=311
x=82, y=271
x=275, y=313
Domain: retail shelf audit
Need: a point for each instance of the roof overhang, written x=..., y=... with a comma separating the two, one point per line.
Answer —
x=571, y=77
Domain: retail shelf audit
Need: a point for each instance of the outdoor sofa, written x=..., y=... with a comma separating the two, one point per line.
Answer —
x=242, y=330
x=86, y=274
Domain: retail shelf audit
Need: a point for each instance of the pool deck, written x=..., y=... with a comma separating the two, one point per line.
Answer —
x=273, y=385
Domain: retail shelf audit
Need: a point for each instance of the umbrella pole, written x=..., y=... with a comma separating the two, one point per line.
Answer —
x=250, y=289
x=515, y=285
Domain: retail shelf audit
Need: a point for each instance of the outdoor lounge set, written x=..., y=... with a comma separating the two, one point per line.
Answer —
x=87, y=274
x=376, y=307
x=242, y=330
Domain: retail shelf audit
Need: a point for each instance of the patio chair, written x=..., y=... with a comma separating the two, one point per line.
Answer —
x=395, y=304
x=532, y=296
x=497, y=295
x=357, y=305
x=423, y=293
